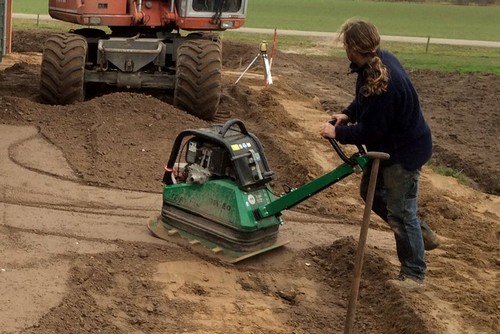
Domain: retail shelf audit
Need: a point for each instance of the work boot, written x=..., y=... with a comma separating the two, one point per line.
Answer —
x=431, y=240
x=408, y=283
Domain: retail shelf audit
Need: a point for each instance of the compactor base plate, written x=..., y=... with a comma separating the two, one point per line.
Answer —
x=166, y=232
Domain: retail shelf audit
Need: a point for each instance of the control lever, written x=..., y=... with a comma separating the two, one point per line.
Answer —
x=348, y=160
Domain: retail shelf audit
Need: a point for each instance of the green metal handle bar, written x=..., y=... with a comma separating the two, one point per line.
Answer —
x=295, y=196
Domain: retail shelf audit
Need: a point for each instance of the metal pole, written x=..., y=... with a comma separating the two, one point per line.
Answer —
x=363, y=234
x=273, y=48
x=8, y=30
x=248, y=67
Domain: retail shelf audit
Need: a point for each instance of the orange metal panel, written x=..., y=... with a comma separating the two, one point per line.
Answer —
x=106, y=7
x=103, y=7
x=68, y=6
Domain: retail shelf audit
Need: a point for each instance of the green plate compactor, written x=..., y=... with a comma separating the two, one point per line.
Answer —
x=217, y=192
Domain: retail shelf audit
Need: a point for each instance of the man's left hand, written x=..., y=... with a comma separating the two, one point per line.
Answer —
x=327, y=130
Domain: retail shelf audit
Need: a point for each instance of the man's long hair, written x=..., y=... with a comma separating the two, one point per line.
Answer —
x=363, y=37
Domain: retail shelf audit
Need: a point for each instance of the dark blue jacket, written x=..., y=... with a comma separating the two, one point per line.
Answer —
x=391, y=122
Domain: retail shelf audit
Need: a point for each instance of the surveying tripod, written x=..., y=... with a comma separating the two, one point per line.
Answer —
x=267, y=64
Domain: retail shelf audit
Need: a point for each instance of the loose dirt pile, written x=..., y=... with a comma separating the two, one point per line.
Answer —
x=122, y=140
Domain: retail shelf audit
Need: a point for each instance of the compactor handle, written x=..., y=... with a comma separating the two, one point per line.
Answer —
x=225, y=128
x=348, y=160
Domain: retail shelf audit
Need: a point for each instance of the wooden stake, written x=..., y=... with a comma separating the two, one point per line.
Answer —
x=363, y=234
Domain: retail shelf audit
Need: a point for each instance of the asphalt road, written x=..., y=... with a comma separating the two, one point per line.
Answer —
x=405, y=39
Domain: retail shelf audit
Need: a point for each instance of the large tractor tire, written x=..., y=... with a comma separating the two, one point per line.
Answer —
x=63, y=69
x=198, y=82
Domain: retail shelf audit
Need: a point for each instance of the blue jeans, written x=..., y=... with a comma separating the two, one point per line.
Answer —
x=395, y=201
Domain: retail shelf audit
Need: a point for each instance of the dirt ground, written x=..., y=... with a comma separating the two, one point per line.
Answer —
x=121, y=141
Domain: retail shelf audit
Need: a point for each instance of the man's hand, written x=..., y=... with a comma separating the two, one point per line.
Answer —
x=340, y=119
x=327, y=130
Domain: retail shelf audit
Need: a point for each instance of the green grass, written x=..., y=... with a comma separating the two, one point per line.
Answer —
x=447, y=58
x=27, y=24
x=392, y=18
x=440, y=21
x=31, y=6
x=446, y=171
x=437, y=57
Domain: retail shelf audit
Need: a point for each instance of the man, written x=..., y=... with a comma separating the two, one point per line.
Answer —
x=385, y=116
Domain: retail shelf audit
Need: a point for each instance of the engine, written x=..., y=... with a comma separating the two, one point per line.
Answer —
x=220, y=152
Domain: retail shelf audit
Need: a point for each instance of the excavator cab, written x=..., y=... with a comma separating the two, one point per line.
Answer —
x=211, y=6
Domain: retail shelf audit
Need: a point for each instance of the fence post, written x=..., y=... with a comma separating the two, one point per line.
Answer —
x=8, y=28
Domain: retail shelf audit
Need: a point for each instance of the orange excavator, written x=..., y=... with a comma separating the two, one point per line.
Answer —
x=171, y=45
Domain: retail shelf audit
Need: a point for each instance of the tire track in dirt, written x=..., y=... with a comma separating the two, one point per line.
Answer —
x=57, y=230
